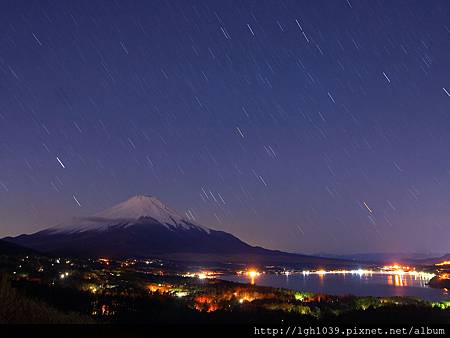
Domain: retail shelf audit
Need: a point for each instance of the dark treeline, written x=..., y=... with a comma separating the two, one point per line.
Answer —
x=17, y=308
x=28, y=302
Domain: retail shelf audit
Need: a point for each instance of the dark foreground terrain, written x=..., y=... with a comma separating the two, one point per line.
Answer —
x=30, y=303
x=46, y=290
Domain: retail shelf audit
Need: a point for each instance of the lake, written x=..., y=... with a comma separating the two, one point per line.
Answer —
x=373, y=284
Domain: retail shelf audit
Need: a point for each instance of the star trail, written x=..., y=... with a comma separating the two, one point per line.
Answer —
x=307, y=126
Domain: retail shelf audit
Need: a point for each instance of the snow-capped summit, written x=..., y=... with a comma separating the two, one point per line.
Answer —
x=142, y=206
x=137, y=209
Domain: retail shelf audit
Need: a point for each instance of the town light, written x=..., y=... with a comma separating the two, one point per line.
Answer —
x=253, y=274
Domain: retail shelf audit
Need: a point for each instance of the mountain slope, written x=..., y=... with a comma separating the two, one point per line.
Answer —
x=142, y=238
x=140, y=226
x=143, y=226
x=8, y=248
x=382, y=257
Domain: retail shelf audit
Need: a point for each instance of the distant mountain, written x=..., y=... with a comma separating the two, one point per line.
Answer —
x=143, y=226
x=382, y=257
x=434, y=260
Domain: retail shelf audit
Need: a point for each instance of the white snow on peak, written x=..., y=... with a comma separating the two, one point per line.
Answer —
x=137, y=209
x=141, y=206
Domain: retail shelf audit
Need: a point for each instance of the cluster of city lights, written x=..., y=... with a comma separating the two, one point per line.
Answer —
x=251, y=273
x=104, y=260
x=444, y=263
x=397, y=267
x=201, y=274
x=335, y=272
x=383, y=271
x=393, y=269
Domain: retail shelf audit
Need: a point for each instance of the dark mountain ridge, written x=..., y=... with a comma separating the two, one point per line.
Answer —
x=145, y=227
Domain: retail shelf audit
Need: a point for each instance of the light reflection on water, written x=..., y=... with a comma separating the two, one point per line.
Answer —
x=379, y=284
x=406, y=280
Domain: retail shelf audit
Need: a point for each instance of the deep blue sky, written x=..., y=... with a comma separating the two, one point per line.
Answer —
x=310, y=126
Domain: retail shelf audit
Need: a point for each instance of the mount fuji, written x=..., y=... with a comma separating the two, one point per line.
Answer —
x=143, y=226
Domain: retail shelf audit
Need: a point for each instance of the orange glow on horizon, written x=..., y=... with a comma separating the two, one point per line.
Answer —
x=398, y=268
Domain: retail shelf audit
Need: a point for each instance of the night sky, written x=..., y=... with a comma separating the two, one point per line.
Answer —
x=308, y=126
